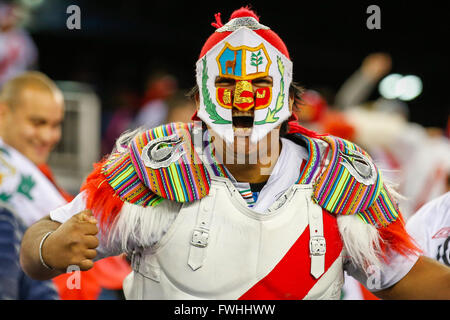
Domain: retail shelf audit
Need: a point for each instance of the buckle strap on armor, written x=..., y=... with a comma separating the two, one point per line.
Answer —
x=200, y=234
x=317, y=243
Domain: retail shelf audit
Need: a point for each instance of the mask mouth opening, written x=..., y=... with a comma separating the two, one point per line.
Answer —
x=243, y=119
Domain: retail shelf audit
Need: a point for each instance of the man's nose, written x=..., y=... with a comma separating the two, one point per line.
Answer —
x=49, y=135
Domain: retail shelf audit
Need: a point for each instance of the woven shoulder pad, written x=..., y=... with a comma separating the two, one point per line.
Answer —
x=350, y=182
x=167, y=163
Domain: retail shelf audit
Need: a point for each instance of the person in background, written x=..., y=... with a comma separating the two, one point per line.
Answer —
x=314, y=112
x=400, y=147
x=361, y=83
x=159, y=87
x=126, y=105
x=14, y=283
x=31, y=115
x=430, y=227
x=18, y=52
x=177, y=107
x=180, y=108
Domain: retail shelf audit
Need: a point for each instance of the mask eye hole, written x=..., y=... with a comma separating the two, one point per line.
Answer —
x=222, y=82
x=263, y=82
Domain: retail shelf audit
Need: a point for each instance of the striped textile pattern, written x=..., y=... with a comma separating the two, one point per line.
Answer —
x=248, y=197
x=382, y=212
x=122, y=177
x=184, y=180
x=312, y=165
x=338, y=191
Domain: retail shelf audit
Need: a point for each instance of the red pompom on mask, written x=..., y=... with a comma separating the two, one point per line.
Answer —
x=244, y=12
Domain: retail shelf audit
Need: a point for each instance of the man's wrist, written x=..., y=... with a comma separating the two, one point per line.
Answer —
x=41, y=244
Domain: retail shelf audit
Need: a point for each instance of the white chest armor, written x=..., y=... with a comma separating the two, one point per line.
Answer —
x=218, y=248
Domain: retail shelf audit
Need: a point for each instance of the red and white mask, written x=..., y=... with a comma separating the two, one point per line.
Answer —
x=244, y=76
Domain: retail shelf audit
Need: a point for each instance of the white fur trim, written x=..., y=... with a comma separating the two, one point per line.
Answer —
x=361, y=241
x=141, y=227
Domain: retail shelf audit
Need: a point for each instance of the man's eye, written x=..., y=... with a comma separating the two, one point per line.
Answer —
x=37, y=122
x=224, y=82
x=263, y=82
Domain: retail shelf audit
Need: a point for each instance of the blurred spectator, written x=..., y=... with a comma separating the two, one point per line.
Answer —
x=310, y=110
x=160, y=87
x=14, y=283
x=314, y=113
x=31, y=114
x=18, y=52
x=174, y=107
x=430, y=227
x=360, y=85
x=180, y=108
x=413, y=159
x=121, y=118
x=416, y=162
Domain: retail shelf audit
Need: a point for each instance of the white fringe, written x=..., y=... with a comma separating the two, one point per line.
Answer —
x=361, y=241
x=141, y=227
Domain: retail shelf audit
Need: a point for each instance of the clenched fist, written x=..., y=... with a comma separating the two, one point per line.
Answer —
x=73, y=243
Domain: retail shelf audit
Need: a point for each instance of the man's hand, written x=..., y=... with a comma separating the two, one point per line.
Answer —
x=377, y=65
x=73, y=243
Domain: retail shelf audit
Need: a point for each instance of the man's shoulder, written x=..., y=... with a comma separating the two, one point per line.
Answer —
x=5, y=154
x=167, y=161
x=348, y=181
x=150, y=165
x=146, y=168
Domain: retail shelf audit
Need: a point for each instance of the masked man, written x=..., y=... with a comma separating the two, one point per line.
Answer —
x=239, y=205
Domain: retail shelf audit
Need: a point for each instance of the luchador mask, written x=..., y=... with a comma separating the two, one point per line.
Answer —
x=243, y=56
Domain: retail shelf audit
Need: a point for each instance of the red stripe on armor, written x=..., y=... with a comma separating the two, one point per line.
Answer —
x=291, y=279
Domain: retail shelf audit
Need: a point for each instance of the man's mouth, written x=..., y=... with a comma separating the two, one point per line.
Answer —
x=242, y=119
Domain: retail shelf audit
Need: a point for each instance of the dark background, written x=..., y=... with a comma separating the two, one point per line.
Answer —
x=121, y=42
